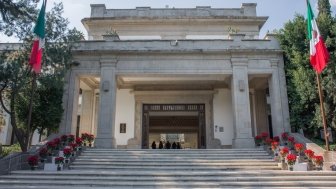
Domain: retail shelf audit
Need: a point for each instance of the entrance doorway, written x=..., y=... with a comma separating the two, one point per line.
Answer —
x=184, y=123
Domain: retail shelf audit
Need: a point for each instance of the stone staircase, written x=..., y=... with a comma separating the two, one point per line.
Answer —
x=229, y=168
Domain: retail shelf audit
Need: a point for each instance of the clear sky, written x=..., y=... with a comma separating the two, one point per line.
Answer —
x=279, y=11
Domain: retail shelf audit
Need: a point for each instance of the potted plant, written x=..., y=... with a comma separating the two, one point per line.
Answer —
x=85, y=138
x=79, y=142
x=318, y=161
x=33, y=162
x=276, y=139
x=264, y=136
x=51, y=147
x=274, y=146
x=284, y=138
x=43, y=153
x=67, y=153
x=291, y=142
x=291, y=159
x=299, y=150
x=58, y=162
x=309, y=154
x=57, y=143
x=90, y=139
x=258, y=140
x=283, y=153
x=71, y=138
x=64, y=139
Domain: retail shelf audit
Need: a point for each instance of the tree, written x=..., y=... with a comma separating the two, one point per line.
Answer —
x=15, y=78
x=301, y=80
x=16, y=15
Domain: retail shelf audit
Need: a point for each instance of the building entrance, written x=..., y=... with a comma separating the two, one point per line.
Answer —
x=174, y=123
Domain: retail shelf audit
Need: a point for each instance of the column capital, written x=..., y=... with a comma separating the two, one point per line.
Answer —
x=239, y=61
x=274, y=62
x=108, y=62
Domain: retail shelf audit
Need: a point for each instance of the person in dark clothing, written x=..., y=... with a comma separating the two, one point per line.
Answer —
x=160, y=145
x=174, y=145
x=168, y=145
x=178, y=146
x=153, y=145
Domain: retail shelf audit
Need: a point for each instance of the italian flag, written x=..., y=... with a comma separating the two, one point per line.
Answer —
x=38, y=44
x=319, y=55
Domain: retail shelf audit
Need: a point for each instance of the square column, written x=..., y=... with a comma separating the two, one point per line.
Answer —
x=278, y=110
x=107, y=105
x=87, y=111
x=241, y=104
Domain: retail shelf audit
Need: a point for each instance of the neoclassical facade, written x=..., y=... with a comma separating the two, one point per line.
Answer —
x=199, y=76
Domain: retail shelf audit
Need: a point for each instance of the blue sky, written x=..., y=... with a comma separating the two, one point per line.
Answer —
x=279, y=11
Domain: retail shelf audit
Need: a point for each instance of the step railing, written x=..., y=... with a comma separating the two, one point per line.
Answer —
x=13, y=162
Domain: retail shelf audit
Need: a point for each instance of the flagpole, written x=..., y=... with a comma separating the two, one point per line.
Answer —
x=326, y=134
x=30, y=112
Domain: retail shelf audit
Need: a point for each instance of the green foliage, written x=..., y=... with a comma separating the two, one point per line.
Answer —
x=304, y=102
x=6, y=150
x=16, y=78
x=17, y=17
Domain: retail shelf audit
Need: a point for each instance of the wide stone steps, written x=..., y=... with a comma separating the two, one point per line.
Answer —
x=101, y=168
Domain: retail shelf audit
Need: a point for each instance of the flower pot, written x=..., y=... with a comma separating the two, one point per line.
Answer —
x=59, y=167
x=290, y=167
x=32, y=168
x=283, y=165
x=43, y=160
x=66, y=161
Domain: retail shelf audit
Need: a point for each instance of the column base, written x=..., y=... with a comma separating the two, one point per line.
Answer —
x=105, y=143
x=243, y=143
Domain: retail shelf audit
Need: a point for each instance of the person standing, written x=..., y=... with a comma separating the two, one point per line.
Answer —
x=153, y=145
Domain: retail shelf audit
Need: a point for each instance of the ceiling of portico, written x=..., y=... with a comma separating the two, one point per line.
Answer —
x=258, y=81
x=172, y=82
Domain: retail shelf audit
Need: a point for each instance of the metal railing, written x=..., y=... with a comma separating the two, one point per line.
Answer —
x=16, y=161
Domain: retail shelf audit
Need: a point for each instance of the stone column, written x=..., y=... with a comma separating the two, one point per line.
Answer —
x=87, y=111
x=107, y=105
x=241, y=104
x=275, y=97
x=70, y=103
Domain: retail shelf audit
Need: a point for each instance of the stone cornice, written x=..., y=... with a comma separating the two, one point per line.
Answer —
x=183, y=46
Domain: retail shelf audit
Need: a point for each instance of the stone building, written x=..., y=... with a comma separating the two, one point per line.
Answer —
x=200, y=76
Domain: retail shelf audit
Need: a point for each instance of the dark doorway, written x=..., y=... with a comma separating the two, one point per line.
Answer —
x=188, y=129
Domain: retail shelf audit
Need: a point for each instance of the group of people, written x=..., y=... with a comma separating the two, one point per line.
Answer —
x=167, y=145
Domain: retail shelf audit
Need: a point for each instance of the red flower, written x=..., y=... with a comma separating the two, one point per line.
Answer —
x=264, y=135
x=64, y=138
x=318, y=160
x=90, y=138
x=71, y=138
x=291, y=158
x=73, y=145
x=309, y=153
x=57, y=141
x=298, y=147
x=67, y=152
x=32, y=160
x=284, y=136
x=85, y=136
x=43, y=152
x=79, y=141
x=59, y=160
x=291, y=139
x=269, y=141
x=51, y=145
x=284, y=151
x=276, y=138
x=274, y=145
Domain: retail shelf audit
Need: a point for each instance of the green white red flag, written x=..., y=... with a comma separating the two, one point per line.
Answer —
x=319, y=55
x=38, y=44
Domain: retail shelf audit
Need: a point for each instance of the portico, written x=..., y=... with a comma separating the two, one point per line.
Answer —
x=231, y=87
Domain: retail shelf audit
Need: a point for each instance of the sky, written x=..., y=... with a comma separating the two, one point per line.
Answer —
x=279, y=11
